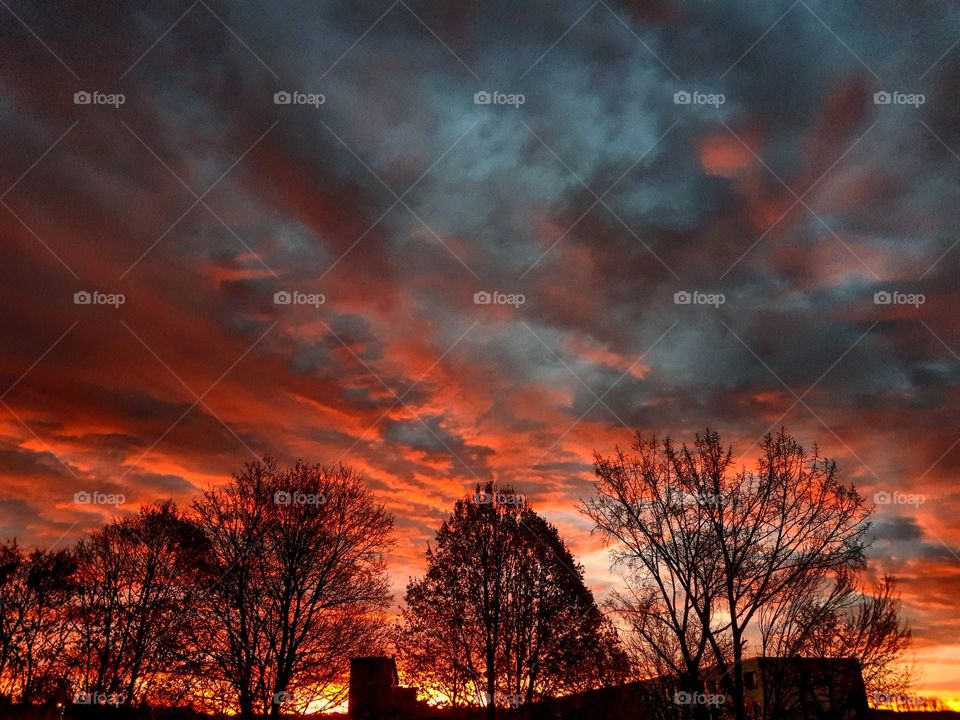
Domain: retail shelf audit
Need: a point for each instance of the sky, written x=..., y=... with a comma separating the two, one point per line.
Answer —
x=447, y=242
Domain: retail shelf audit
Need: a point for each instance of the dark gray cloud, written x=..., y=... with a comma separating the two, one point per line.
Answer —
x=501, y=199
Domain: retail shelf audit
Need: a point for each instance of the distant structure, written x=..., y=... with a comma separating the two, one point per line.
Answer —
x=782, y=688
x=375, y=692
x=798, y=688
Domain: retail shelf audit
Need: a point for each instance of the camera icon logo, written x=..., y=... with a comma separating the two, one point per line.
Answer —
x=482, y=298
x=82, y=298
x=682, y=298
x=882, y=98
x=281, y=97
x=282, y=497
x=282, y=297
x=682, y=97
x=82, y=498
x=482, y=498
x=882, y=497
x=282, y=698
x=82, y=97
x=482, y=98
x=882, y=298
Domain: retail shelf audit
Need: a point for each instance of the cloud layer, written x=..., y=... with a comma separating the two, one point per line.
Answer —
x=621, y=188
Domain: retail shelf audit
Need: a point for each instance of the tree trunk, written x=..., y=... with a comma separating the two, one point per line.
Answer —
x=739, y=708
x=491, y=688
x=245, y=700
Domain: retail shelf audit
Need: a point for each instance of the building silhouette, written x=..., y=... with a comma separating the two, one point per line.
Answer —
x=782, y=688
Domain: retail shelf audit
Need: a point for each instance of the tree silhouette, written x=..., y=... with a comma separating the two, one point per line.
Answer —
x=44, y=621
x=502, y=615
x=869, y=628
x=297, y=586
x=255, y=599
x=36, y=595
x=703, y=540
x=135, y=583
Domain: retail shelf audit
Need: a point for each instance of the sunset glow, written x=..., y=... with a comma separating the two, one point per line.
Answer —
x=438, y=285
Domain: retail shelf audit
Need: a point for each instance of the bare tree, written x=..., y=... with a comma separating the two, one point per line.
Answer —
x=720, y=544
x=230, y=628
x=504, y=605
x=870, y=629
x=135, y=581
x=11, y=560
x=298, y=583
x=36, y=596
x=44, y=622
x=662, y=539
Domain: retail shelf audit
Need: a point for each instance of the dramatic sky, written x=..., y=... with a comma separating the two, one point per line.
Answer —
x=797, y=198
